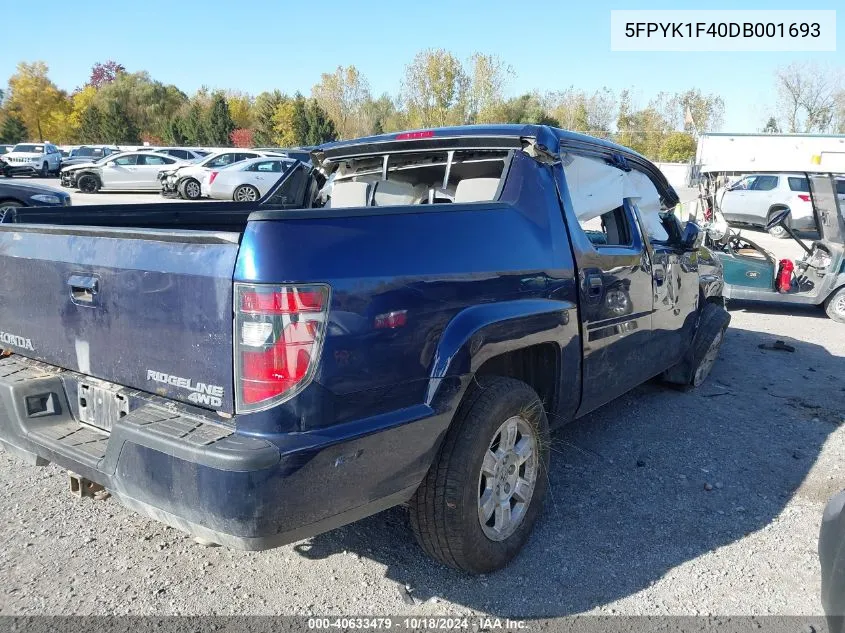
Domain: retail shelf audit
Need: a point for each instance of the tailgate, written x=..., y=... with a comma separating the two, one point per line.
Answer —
x=149, y=309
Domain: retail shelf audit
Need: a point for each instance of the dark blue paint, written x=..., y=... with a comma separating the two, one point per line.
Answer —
x=475, y=280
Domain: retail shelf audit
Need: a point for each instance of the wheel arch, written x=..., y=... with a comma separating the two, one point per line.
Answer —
x=534, y=340
x=777, y=206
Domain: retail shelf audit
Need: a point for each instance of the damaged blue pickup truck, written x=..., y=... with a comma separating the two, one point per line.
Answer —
x=400, y=322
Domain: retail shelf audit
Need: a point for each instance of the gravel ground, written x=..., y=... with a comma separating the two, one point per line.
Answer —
x=662, y=502
x=630, y=527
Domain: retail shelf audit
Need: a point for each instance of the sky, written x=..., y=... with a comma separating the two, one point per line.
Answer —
x=256, y=45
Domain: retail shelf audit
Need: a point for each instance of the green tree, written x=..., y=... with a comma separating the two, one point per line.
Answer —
x=488, y=79
x=771, y=126
x=91, y=125
x=320, y=127
x=264, y=111
x=526, y=109
x=192, y=126
x=343, y=95
x=117, y=127
x=678, y=147
x=285, y=124
x=173, y=134
x=240, y=108
x=149, y=104
x=219, y=124
x=434, y=89
x=699, y=112
x=12, y=130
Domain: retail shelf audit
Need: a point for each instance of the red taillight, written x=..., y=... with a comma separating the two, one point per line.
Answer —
x=279, y=333
x=407, y=136
x=803, y=197
x=281, y=301
x=212, y=176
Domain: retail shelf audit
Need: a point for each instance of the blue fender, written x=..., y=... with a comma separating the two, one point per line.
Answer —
x=484, y=331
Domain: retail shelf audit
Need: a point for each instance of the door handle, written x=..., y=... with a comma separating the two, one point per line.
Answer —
x=83, y=288
x=594, y=285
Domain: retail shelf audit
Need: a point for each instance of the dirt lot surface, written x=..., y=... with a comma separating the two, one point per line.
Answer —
x=663, y=502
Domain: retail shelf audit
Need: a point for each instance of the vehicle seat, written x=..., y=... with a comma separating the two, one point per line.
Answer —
x=393, y=192
x=349, y=194
x=476, y=189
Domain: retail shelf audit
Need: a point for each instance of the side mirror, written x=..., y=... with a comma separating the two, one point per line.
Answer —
x=691, y=237
x=779, y=217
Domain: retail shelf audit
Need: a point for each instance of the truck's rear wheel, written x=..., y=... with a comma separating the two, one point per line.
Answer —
x=694, y=368
x=482, y=495
x=189, y=189
x=834, y=306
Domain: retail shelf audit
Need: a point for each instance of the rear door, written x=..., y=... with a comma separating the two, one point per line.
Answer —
x=147, y=309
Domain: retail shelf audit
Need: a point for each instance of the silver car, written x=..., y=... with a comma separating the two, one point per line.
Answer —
x=132, y=171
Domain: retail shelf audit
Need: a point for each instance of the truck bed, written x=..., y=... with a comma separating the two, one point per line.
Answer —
x=199, y=216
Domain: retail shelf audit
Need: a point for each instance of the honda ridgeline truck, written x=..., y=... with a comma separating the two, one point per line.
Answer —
x=401, y=323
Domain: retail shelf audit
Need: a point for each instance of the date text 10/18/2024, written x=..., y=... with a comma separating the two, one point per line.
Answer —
x=416, y=623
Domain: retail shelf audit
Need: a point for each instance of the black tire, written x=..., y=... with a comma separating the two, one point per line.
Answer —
x=45, y=170
x=834, y=306
x=88, y=183
x=445, y=508
x=246, y=193
x=694, y=368
x=189, y=189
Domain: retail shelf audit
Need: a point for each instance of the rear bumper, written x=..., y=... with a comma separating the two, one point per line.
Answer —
x=200, y=476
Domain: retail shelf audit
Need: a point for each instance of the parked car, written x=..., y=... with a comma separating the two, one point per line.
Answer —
x=185, y=181
x=246, y=181
x=754, y=199
x=15, y=194
x=382, y=351
x=87, y=154
x=135, y=171
x=33, y=159
x=183, y=153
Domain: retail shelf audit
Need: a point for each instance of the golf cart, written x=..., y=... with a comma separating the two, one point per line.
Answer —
x=752, y=273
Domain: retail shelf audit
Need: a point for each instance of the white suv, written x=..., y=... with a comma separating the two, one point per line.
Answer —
x=33, y=159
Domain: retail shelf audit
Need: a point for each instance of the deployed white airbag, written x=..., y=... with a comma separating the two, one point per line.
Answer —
x=596, y=188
